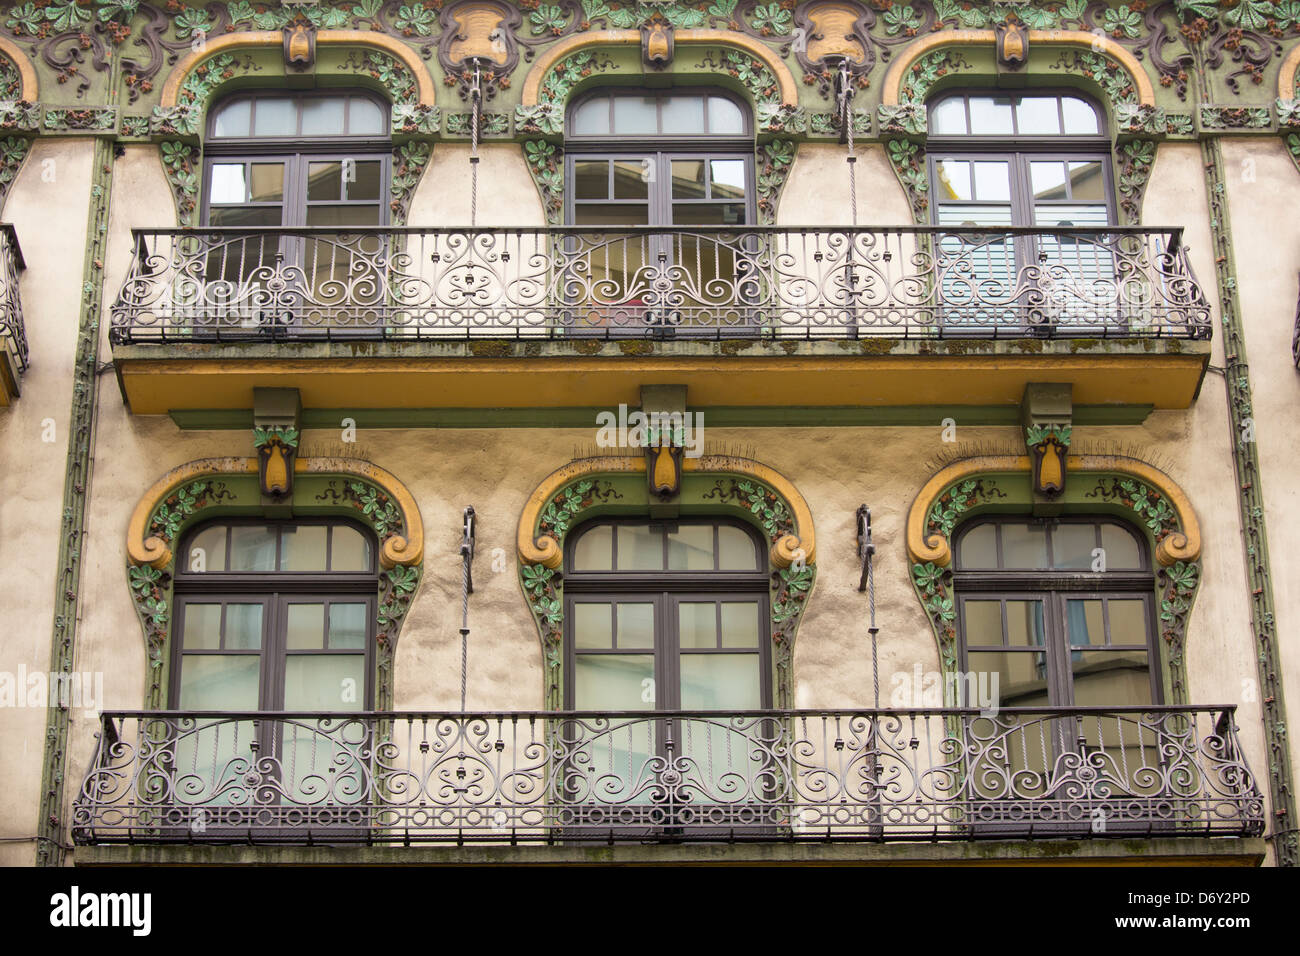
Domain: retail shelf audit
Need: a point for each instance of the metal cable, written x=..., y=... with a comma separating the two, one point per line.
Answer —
x=476, y=95
x=464, y=626
x=846, y=114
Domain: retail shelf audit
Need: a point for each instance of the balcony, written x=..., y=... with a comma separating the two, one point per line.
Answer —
x=13, y=336
x=791, y=315
x=575, y=779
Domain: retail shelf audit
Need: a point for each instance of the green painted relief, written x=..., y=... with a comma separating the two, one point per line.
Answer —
x=624, y=495
x=1140, y=505
x=236, y=495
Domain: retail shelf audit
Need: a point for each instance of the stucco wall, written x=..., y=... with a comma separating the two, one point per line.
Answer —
x=47, y=205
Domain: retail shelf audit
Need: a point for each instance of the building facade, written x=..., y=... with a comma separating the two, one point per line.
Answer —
x=661, y=431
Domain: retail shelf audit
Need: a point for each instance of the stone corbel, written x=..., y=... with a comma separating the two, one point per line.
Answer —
x=1046, y=412
x=277, y=414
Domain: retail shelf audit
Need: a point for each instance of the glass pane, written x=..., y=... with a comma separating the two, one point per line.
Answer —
x=243, y=627
x=1049, y=179
x=349, y=549
x=592, y=118
x=640, y=548
x=720, y=682
x=595, y=550
x=324, y=682
x=1110, y=678
x=614, y=682
x=347, y=626
x=735, y=550
x=362, y=180
x=683, y=115
x=1086, y=181
x=621, y=214
x=243, y=216
x=949, y=116
x=303, y=548
x=1121, y=548
x=1021, y=681
x=990, y=116
x=232, y=119
x=636, y=115
x=349, y=215
x=1072, y=546
x=227, y=183
x=635, y=625
x=1024, y=546
x=219, y=682
x=728, y=177
x=690, y=548
x=740, y=624
x=992, y=181
x=1083, y=623
x=983, y=623
x=208, y=550
x=1025, y=624
x=591, y=179
x=305, y=627
x=954, y=179
x=267, y=182
x=708, y=214
x=725, y=117
x=632, y=179
x=1128, y=621
x=688, y=179
x=1080, y=117
x=252, y=548
x=202, y=627
x=591, y=626
x=322, y=116
x=979, y=547
x=325, y=180
x=274, y=117
x=365, y=117
x=697, y=624
x=1037, y=116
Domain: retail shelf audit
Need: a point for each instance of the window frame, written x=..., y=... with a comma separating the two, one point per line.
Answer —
x=274, y=590
x=662, y=148
x=666, y=589
x=1019, y=150
x=297, y=152
x=1054, y=587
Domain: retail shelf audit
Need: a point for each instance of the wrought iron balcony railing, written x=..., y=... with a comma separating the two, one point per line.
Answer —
x=13, y=335
x=546, y=778
x=700, y=282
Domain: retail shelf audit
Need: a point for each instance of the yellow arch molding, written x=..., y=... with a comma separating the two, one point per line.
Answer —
x=784, y=78
x=546, y=550
x=396, y=550
x=274, y=38
x=898, y=69
x=30, y=90
x=1286, y=75
x=1179, y=546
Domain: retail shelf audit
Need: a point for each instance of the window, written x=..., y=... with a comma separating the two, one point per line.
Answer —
x=1055, y=631
x=668, y=616
x=313, y=164
x=669, y=159
x=1040, y=160
x=272, y=617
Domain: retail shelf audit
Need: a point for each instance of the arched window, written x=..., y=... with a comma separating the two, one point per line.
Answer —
x=311, y=159
x=1022, y=160
x=666, y=615
x=1037, y=160
x=1061, y=612
x=275, y=616
x=678, y=159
